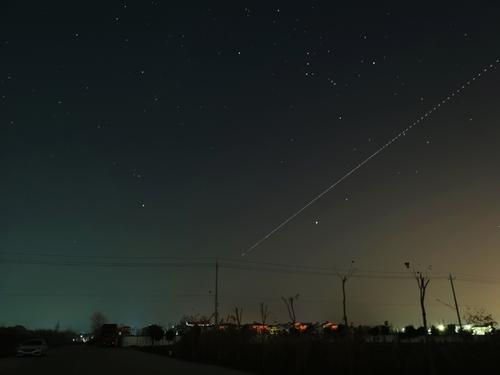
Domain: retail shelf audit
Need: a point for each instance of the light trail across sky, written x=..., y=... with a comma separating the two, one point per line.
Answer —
x=445, y=100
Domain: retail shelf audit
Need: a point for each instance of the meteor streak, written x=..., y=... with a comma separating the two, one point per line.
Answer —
x=445, y=100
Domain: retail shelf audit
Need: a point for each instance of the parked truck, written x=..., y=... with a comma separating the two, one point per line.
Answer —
x=109, y=335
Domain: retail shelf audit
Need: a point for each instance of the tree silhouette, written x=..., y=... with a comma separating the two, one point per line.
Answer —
x=479, y=317
x=423, y=280
x=289, y=303
x=264, y=312
x=155, y=332
x=238, y=315
x=170, y=335
x=97, y=319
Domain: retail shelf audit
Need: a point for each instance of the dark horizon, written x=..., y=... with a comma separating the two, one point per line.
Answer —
x=190, y=131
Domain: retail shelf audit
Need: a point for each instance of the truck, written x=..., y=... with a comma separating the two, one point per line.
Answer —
x=109, y=335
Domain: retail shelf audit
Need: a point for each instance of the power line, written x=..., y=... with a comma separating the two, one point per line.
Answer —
x=226, y=297
x=99, y=260
x=226, y=263
x=370, y=157
x=105, y=264
x=238, y=264
x=104, y=260
x=107, y=295
x=100, y=256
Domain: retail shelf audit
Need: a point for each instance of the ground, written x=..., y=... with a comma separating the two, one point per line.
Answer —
x=76, y=360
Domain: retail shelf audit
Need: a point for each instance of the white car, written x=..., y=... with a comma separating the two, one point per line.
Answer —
x=33, y=347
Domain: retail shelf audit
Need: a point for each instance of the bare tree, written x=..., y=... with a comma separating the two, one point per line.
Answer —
x=289, y=303
x=238, y=314
x=97, y=319
x=423, y=280
x=479, y=317
x=229, y=319
x=264, y=312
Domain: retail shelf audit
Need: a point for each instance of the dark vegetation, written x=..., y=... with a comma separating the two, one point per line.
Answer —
x=12, y=337
x=154, y=331
x=343, y=353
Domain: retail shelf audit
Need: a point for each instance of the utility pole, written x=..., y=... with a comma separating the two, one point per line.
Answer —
x=344, y=279
x=216, y=299
x=456, y=303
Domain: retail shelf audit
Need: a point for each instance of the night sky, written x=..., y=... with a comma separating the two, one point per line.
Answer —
x=132, y=131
